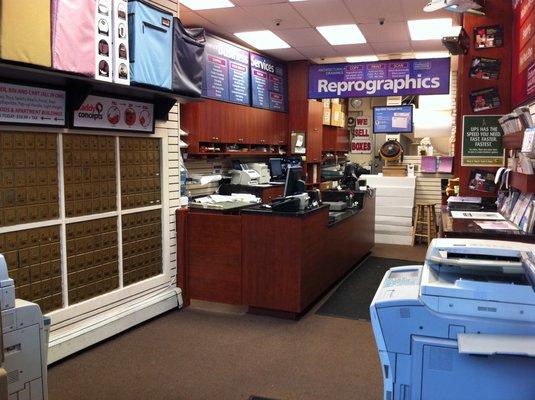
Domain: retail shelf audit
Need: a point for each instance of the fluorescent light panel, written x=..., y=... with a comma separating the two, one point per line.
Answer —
x=430, y=29
x=206, y=4
x=432, y=54
x=358, y=59
x=263, y=40
x=342, y=34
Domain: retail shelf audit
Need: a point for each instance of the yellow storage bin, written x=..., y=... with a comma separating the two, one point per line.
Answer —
x=25, y=31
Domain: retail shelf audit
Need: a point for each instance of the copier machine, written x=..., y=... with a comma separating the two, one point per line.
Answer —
x=462, y=326
x=24, y=342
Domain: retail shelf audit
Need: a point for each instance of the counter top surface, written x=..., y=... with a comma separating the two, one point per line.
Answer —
x=263, y=210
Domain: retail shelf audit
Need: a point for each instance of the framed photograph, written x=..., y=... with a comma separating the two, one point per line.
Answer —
x=485, y=68
x=486, y=99
x=489, y=36
x=482, y=181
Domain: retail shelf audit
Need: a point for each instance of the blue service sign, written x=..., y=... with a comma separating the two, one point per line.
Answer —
x=393, y=119
x=381, y=78
x=268, y=83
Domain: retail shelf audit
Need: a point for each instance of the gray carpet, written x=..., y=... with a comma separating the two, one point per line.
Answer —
x=353, y=297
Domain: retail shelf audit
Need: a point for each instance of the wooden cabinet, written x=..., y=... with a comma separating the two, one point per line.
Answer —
x=314, y=133
x=217, y=122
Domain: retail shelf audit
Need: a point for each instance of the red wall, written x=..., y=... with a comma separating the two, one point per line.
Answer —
x=523, y=49
x=498, y=12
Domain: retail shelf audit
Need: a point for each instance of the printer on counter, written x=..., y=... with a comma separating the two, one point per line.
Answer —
x=241, y=174
x=24, y=342
x=462, y=326
x=263, y=171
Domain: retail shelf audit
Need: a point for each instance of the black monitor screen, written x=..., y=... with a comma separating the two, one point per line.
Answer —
x=275, y=166
x=294, y=184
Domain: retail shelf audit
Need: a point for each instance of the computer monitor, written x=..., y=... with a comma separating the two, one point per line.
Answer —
x=294, y=184
x=275, y=167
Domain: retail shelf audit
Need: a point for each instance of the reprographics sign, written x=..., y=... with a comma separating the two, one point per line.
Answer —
x=382, y=78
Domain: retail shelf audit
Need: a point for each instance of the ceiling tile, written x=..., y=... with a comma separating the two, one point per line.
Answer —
x=354, y=50
x=232, y=19
x=289, y=18
x=301, y=37
x=428, y=45
x=190, y=18
x=256, y=2
x=324, y=12
x=392, y=47
x=317, y=51
x=390, y=31
x=371, y=10
x=286, y=54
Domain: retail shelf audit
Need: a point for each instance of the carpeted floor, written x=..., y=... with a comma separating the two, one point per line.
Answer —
x=353, y=297
x=192, y=354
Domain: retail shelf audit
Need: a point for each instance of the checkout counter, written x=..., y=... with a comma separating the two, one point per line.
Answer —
x=272, y=261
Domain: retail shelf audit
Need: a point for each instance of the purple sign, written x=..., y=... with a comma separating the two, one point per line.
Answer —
x=226, y=72
x=382, y=78
x=268, y=83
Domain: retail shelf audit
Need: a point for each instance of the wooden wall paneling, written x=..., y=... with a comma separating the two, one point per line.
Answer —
x=329, y=138
x=342, y=140
x=497, y=13
x=182, y=254
x=214, y=257
x=314, y=137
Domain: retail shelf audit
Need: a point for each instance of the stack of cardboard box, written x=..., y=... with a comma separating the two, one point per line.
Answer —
x=334, y=112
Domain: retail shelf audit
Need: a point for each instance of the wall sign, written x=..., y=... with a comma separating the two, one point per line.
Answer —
x=360, y=147
x=226, y=72
x=31, y=105
x=523, y=72
x=482, y=141
x=116, y=114
x=382, y=78
x=268, y=83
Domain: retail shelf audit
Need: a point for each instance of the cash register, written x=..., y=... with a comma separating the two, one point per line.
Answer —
x=295, y=197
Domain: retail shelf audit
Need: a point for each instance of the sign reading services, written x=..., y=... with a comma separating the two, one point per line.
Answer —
x=31, y=105
x=117, y=114
x=382, y=78
x=482, y=141
x=226, y=72
x=268, y=82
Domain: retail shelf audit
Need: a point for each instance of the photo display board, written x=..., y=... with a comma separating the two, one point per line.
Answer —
x=268, y=83
x=226, y=72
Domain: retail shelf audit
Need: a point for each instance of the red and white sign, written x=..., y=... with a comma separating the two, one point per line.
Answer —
x=362, y=121
x=31, y=105
x=117, y=114
x=361, y=147
x=363, y=133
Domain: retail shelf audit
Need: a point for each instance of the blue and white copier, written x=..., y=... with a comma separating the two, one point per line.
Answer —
x=460, y=327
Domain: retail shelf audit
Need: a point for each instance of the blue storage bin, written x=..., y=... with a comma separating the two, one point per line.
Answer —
x=151, y=44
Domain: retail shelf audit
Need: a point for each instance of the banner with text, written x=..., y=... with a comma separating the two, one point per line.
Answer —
x=31, y=105
x=268, y=83
x=382, y=78
x=482, y=141
x=226, y=72
x=117, y=114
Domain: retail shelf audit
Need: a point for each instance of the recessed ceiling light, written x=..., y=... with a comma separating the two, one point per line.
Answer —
x=342, y=34
x=358, y=59
x=206, y=4
x=432, y=54
x=430, y=29
x=263, y=40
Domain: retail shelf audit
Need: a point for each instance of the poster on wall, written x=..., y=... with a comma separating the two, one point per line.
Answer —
x=482, y=181
x=381, y=78
x=485, y=68
x=115, y=114
x=31, y=105
x=268, y=83
x=485, y=99
x=482, y=141
x=226, y=72
x=103, y=41
x=486, y=37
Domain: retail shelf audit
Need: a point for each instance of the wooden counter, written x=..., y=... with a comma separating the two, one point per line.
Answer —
x=272, y=262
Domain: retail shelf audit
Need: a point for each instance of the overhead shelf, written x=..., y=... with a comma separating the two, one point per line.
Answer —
x=78, y=87
x=513, y=141
x=523, y=182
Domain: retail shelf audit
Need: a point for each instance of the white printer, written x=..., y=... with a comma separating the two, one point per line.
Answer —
x=462, y=326
x=263, y=172
x=25, y=344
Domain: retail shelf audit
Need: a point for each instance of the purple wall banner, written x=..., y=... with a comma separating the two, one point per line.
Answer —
x=268, y=83
x=381, y=78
